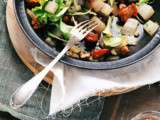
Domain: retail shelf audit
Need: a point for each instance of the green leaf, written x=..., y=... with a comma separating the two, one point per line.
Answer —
x=146, y=1
x=43, y=2
x=45, y=17
x=60, y=5
x=113, y=41
x=66, y=29
x=63, y=7
x=41, y=14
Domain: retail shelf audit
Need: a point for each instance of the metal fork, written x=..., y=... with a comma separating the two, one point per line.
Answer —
x=24, y=92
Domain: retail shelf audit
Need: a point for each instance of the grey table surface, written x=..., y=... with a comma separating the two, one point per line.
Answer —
x=14, y=73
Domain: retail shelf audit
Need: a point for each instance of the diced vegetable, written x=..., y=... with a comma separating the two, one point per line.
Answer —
x=151, y=27
x=106, y=9
x=99, y=53
x=51, y=7
x=146, y=11
x=100, y=6
x=97, y=5
x=130, y=27
x=101, y=26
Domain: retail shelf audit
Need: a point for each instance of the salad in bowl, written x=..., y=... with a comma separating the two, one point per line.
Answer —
x=121, y=25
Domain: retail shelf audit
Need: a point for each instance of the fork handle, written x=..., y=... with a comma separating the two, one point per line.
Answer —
x=24, y=92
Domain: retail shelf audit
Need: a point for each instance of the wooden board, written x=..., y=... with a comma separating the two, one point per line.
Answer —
x=21, y=44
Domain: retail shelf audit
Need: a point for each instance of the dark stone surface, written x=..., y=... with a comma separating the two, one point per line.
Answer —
x=6, y=116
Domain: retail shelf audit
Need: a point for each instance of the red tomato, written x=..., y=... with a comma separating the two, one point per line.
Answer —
x=127, y=12
x=135, y=10
x=99, y=53
x=92, y=37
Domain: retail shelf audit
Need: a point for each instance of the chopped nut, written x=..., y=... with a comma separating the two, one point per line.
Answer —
x=75, y=55
x=71, y=54
x=130, y=27
x=75, y=50
x=84, y=54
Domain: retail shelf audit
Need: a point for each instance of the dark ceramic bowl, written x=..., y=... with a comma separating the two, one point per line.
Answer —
x=143, y=49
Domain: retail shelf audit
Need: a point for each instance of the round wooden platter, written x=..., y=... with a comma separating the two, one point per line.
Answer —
x=23, y=46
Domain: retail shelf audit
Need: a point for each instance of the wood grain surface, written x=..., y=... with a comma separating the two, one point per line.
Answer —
x=21, y=43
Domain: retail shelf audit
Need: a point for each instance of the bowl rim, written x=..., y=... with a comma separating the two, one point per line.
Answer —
x=20, y=13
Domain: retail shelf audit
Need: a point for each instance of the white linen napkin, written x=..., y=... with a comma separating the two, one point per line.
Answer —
x=71, y=84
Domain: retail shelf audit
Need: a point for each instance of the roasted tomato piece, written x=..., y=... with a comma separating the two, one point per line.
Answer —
x=92, y=37
x=127, y=12
x=99, y=53
x=32, y=1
